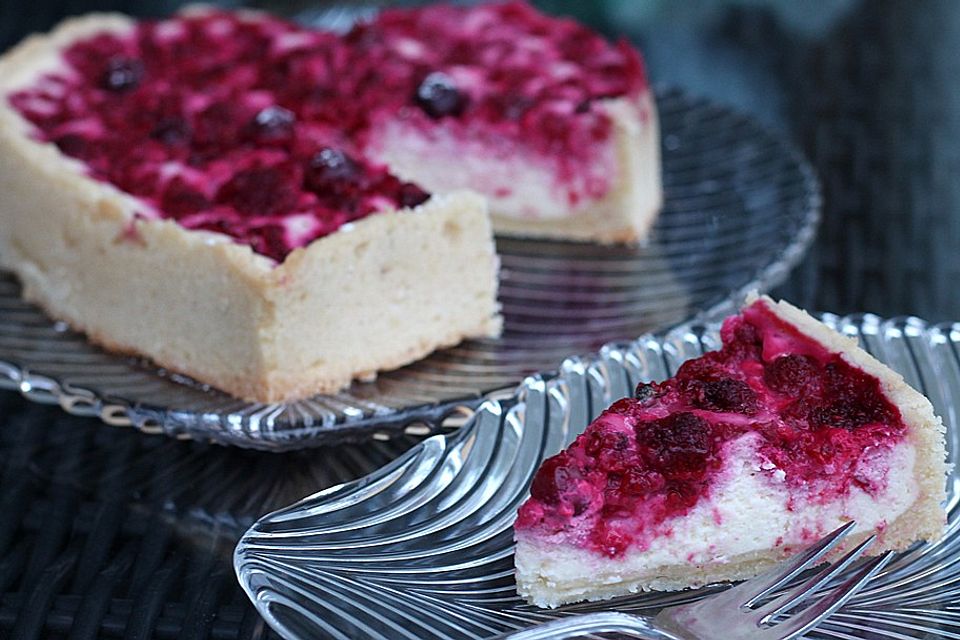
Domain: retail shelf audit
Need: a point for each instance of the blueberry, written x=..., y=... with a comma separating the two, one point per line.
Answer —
x=328, y=167
x=411, y=195
x=122, y=74
x=171, y=131
x=438, y=96
x=645, y=391
x=273, y=124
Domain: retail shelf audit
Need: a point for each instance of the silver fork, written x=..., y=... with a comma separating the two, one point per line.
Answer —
x=733, y=613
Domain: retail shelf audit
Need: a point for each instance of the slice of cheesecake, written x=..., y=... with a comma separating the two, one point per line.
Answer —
x=747, y=455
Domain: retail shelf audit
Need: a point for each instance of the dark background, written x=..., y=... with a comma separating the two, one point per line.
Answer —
x=111, y=533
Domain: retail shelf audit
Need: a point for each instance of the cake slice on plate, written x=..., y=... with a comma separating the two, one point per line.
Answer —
x=276, y=211
x=747, y=455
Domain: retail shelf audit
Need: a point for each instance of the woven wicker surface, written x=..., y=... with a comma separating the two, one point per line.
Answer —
x=108, y=533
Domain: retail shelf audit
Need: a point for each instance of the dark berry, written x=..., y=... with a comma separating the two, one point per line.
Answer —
x=555, y=477
x=73, y=144
x=677, y=444
x=270, y=241
x=790, y=374
x=705, y=367
x=848, y=413
x=331, y=169
x=259, y=191
x=122, y=74
x=217, y=126
x=171, y=131
x=726, y=394
x=180, y=199
x=438, y=96
x=273, y=124
x=856, y=398
x=410, y=195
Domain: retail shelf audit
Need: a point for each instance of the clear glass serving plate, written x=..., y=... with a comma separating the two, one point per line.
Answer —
x=422, y=548
x=741, y=209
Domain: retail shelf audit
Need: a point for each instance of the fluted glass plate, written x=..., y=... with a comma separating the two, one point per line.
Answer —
x=741, y=208
x=422, y=548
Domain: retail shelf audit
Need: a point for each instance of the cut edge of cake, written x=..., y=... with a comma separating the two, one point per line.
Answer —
x=630, y=208
x=199, y=304
x=586, y=575
x=623, y=215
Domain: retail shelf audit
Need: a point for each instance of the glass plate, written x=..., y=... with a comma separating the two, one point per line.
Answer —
x=423, y=547
x=741, y=209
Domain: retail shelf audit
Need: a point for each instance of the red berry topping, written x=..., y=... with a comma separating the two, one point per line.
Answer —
x=555, y=478
x=811, y=415
x=213, y=92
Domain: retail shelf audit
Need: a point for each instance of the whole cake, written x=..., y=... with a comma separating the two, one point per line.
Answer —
x=276, y=210
x=747, y=455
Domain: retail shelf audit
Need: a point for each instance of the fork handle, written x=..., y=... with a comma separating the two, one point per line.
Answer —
x=601, y=622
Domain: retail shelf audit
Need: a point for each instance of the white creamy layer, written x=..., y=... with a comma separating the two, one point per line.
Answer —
x=515, y=183
x=746, y=515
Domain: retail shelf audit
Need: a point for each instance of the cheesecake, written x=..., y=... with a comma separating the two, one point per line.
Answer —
x=276, y=211
x=747, y=455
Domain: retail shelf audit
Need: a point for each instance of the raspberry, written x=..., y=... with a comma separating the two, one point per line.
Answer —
x=678, y=444
x=610, y=448
x=790, y=374
x=639, y=483
x=725, y=395
x=556, y=476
